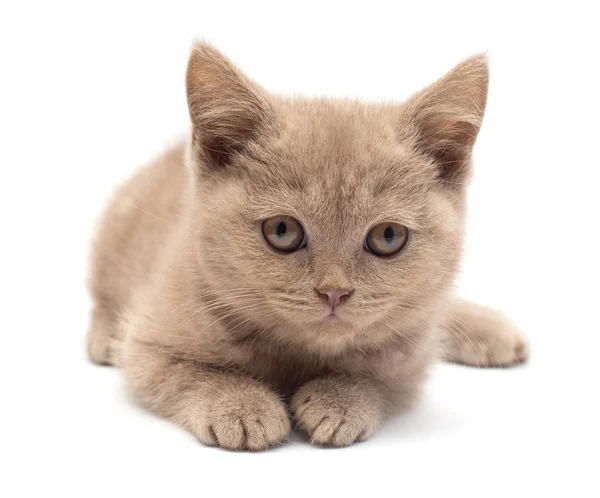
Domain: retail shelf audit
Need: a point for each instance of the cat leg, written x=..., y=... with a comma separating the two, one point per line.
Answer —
x=104, y=342
x=339, y=410
x=220, y=408
x=478, y=336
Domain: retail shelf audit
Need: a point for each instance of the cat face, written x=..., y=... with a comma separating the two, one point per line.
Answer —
x=330, y=222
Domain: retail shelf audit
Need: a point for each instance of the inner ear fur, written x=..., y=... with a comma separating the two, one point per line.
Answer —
x=444, y=119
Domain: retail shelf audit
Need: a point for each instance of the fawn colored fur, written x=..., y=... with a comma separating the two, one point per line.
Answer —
x=223, y=335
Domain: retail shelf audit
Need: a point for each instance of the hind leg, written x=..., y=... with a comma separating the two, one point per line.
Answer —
x=104, y=340
x=478, y=336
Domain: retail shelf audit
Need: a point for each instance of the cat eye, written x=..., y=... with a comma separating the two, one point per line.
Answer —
x=387, y=239
x=283, y=233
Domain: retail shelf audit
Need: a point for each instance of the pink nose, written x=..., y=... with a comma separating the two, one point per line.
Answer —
x=334, y=297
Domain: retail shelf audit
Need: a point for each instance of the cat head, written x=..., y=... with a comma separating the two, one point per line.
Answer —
x=330, y=223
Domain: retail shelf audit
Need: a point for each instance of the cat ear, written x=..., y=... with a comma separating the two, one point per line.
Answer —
x=227, y=110
x=443, y=120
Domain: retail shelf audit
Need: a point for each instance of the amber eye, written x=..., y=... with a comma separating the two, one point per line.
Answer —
x=387, y=239
x=283, y=233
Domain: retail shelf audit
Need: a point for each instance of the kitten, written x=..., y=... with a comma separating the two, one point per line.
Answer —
x=294, y=260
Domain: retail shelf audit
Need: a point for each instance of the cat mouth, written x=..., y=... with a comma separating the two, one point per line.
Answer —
x=333, y=319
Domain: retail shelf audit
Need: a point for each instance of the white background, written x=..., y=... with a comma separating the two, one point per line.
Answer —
x=89, y=92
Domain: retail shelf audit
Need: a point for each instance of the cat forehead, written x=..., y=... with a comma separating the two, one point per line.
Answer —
x=321, y=125
x=337, y=159
x=342, y=149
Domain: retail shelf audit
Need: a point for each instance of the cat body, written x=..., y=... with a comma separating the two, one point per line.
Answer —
x=232, y=336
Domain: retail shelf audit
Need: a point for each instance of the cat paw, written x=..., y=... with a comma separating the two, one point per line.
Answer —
x=506, y=347
x=337, y=412
x=485, y=338
x=102, y=347
x=244, y=418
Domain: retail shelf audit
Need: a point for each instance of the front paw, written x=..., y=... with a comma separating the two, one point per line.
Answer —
x=338, y=411
x=244, y=417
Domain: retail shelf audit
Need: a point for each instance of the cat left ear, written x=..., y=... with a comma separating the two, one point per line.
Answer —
x=227, y=110
x=443, y=120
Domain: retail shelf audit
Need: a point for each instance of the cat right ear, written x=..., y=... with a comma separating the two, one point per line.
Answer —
x=227, y=110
